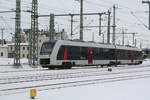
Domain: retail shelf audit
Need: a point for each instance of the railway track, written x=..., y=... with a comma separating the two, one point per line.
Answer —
x=52, y=76
x=14, y=71
x=63, y=76
x=78, y=75
x=92, y=67
x=52, y=86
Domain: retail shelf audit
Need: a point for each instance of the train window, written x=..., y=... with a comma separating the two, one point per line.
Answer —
x=100, y=54
x=138, y=54
x=74, y=52
x=106, y=50
x=125, y=55
x=96, y=53
x=71, y=50
x=83, y=53
x=105, y=54
x=47, y=47
x=112, y=54
x=60, y=53
x=122, y=54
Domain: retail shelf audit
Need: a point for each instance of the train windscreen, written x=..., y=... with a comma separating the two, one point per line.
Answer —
x=47, y=48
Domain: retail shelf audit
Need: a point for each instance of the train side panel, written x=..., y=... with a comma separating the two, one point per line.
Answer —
x=69, y=53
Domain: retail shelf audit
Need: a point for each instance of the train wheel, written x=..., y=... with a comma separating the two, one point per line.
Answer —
x=69, y=67
x=102, y=66
x=66, y=65
x=51, y=68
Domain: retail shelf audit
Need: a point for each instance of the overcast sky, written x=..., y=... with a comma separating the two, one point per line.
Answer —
x=125, y=20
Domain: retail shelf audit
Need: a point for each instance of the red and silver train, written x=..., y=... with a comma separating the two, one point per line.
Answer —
x=64, y=54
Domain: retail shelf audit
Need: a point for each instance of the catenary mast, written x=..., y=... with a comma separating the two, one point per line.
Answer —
x=33, y=36
x=17, y=33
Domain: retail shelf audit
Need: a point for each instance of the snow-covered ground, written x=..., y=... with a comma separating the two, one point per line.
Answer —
x=128, y=89
x=8, y=64
x=9, y=61
x=125, y=90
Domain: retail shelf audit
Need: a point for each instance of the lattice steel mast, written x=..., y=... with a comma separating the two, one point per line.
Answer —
x=33, y=36
x=81, y=20
x=17, y=33
x=52, y=27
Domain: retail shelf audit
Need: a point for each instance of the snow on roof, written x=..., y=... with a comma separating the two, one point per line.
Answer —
x=4, y=46
x=24, y=44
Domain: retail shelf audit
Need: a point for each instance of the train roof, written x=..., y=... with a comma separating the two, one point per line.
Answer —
x=94, y=44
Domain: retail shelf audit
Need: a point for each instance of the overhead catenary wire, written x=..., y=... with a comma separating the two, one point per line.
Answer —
x=139, y=20
x=45, y=7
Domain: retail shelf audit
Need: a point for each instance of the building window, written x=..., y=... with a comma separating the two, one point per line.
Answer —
x=27, y=55
x=2, y=53
x=27, y=48
x=23, y=48
x=23, y=55
x=11, y=48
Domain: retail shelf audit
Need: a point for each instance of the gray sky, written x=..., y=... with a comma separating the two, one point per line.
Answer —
x=125, y=20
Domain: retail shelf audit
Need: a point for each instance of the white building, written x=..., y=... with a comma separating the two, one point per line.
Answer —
x=23, y=50
x=61, y=35
x=4, y=51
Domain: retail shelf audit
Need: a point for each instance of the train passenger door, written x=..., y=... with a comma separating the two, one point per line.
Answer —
x=65, y=57
x=131, y=56
x=90, y=55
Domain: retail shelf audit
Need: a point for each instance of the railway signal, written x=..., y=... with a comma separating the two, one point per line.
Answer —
x=33, y=93
x=109, y=69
